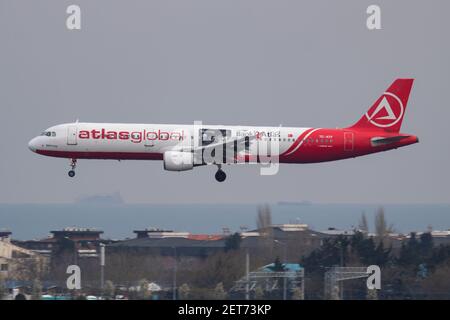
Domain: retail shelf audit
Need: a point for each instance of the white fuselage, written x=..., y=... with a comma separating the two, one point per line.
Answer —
x=183, y=147
x=143, y=141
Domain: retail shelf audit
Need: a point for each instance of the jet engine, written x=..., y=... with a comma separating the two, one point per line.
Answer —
x=178, y=161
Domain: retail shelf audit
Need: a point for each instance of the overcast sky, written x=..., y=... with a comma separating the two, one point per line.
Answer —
x=249, y=62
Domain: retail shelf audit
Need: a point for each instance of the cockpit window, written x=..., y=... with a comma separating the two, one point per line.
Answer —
x=49, y=133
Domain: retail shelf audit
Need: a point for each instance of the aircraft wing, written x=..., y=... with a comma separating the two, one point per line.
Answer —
x=241, y=156
x=226, y=144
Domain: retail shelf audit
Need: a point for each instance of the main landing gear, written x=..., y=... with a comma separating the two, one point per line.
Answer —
x=73, y=165
x=220, y=175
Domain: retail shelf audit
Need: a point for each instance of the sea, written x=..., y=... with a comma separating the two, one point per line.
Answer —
x=119, y=220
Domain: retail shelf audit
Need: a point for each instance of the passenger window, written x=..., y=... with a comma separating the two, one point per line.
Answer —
x=53, y=134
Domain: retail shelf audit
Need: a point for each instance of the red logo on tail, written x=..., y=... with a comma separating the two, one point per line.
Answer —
x=387, y=112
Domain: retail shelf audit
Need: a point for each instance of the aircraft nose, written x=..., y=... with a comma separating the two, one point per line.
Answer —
x=32, y=145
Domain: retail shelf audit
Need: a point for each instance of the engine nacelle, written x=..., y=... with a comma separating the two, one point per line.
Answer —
x=178, y=161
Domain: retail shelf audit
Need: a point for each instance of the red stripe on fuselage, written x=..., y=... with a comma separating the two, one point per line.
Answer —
x=297, y=141
x=102, y=155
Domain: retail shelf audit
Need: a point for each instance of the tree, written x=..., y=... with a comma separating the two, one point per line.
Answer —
x=381, y=256
x=28, y=269
x=372, y=294
x=184, y=291
x=36, y=290
x=426, y=244
x=297, y=294
x=278, y=266
x=264, y=225
x=219, y=292
x=20, y=296
x=380, y=224
x=381, y=228
x=259, y=293
x=3, y=289
x=264, y=218
x=233, y=242
x=223, y=267
x=332, y=252
x=437, y=284
x=440, y=254
x=418, y=251
x=335, y=293
x=368, y=252
x=363, y=225
x=109, y=288
x=409, y=252
x=143, y=289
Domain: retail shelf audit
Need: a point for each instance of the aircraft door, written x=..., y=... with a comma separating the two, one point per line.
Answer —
x=348, y=141
x=72, y=135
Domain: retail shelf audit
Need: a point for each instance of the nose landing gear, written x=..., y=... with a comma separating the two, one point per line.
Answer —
x=73, y=165
x=220, y=175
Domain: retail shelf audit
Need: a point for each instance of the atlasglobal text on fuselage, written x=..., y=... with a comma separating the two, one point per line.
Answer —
x=184, y=147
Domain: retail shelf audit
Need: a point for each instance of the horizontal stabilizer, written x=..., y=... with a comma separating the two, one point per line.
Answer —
x=377, y=141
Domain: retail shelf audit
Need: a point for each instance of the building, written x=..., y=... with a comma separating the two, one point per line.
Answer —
x=5, y=236
x=440, y=237
x=77, y=234
x=168, y=246
x=15, y=259
x=156, y=233
x=283, y=238
x=85, y=240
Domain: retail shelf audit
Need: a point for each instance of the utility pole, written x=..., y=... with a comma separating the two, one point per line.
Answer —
x=341, y=283
x=284, y=262
x=247, y=275
x=285, y=278
x=102, y=266
x=175, y=266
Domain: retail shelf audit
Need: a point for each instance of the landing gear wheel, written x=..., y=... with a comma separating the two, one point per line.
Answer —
x=220, y=176
x=73, y=165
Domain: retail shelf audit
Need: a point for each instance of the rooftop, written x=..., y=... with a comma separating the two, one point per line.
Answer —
x=292, y=267
x=77, y=229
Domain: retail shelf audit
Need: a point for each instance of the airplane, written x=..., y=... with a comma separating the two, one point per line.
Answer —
x=183, y=147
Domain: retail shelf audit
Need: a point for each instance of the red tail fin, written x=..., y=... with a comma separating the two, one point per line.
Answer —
x=387, y=112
